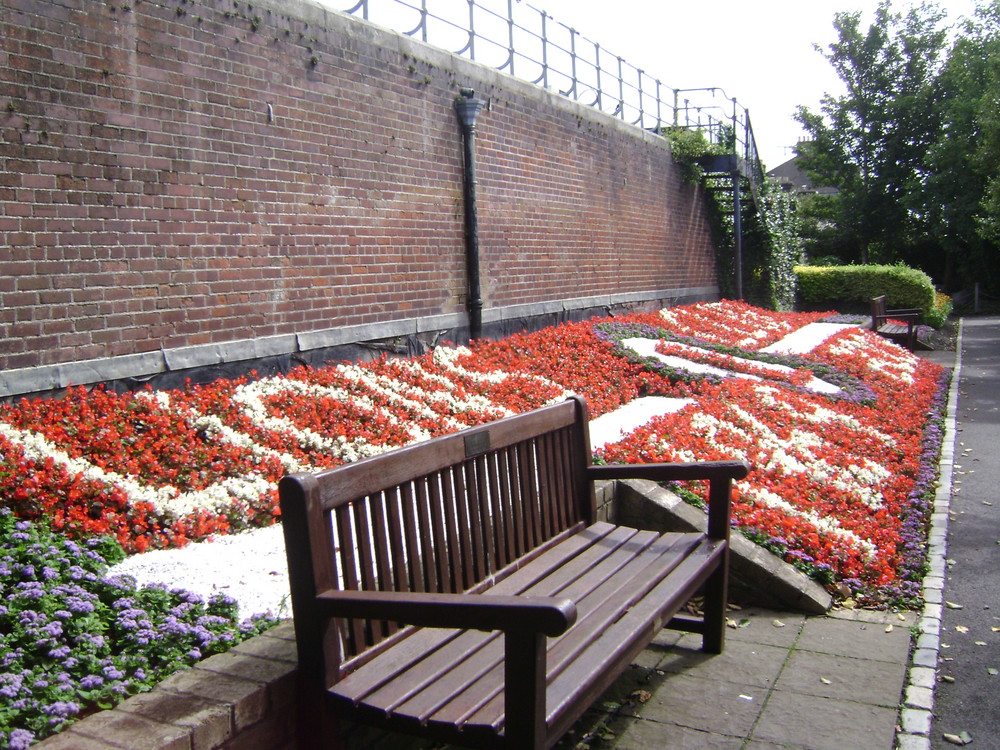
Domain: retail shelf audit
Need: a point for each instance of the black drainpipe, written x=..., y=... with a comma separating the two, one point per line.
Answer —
x=468, y=109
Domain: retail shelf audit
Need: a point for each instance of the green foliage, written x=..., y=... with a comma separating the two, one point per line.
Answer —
x=939, y=314
x=782, y=247
x=687, y=146
x=852, y=288
x=870, y=143
x=961, y=166
x=772, y=245
x=912, y=146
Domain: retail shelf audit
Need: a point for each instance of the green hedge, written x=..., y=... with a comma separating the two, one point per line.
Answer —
x=851, y=288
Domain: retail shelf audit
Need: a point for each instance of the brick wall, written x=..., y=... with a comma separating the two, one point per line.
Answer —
x=178, y=174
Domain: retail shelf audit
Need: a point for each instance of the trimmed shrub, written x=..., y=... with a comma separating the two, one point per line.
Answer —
x=851, y=288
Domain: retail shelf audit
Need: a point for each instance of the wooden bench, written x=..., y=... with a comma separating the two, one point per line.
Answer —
x=463, y=589
x=904, y=332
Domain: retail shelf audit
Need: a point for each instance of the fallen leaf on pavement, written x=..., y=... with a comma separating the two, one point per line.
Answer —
x=962, y=738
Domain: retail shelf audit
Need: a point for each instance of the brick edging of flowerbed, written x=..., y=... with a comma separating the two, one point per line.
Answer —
x=241, y=699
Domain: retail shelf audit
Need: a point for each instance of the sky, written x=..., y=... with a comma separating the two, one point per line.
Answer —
x=763, y=53
x=760, y=52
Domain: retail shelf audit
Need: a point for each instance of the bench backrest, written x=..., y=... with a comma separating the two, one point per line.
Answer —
x=446, y=515
x=878, y=311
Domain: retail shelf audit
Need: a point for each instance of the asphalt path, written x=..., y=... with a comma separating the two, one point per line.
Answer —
x=967, y=698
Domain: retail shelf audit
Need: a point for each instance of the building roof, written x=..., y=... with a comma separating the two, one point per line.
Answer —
x=793, y=178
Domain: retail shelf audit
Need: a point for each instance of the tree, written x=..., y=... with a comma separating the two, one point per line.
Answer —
x=871, y=143
x=987, y=162
x=960, y=201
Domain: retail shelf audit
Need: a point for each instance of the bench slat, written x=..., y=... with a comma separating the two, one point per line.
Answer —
x=621, y=642
x=593, y=667
x=599, y=609
x=362, y=478
x=358, y=684
x=454, y=671
x=522, y=576
x=462, y=675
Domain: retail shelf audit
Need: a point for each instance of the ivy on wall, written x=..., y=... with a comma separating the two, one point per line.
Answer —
x=771, y=238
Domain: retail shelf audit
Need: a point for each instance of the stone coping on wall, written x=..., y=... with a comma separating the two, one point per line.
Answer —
x=146, y=365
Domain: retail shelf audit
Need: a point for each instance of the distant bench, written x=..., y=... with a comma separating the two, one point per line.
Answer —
x=903, y=332
x=462, y=588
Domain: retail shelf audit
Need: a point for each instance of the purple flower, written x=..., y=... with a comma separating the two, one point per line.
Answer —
x=79, y=606
x=20, y=739
x=10, y=684
x=62, y=708
x=188, y=596
x=91, y=681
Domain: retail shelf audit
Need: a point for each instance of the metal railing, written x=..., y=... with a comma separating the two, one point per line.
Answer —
x=514, y=37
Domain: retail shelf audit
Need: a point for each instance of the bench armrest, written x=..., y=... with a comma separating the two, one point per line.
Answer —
x=720, y=475
x=910, y=317
x=672, y=472
x=549, y=615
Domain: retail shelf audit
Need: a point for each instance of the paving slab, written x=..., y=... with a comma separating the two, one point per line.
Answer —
x=856, y=639
x=749, y=664
x=649, y=735
x=825, y=723
x=785, y=680
x=835, y=676
x=704, y=705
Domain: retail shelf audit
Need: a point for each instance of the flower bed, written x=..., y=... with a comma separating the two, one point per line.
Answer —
x=73, y=641
x=840, y=484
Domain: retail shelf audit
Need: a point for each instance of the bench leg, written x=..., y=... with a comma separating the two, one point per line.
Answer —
x=315, y=727
x=524, y=691
x=716, y=594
